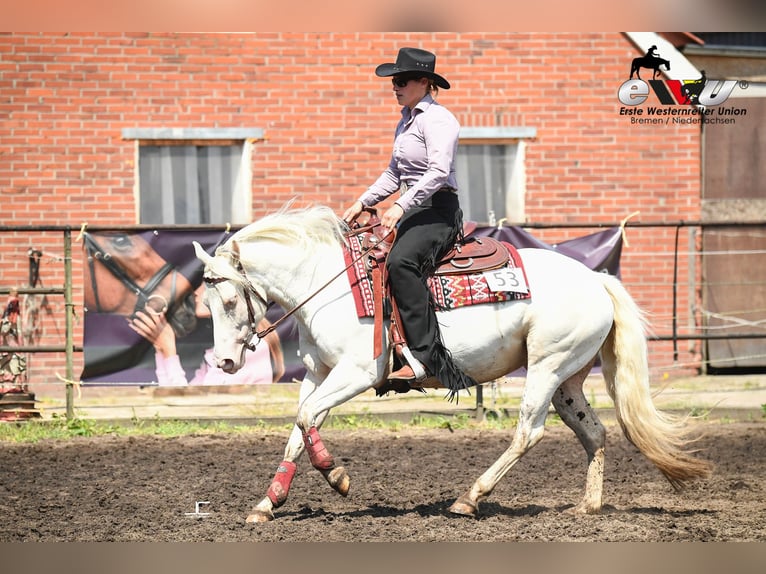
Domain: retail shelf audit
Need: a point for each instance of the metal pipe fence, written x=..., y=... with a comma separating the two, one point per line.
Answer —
x=69, y=348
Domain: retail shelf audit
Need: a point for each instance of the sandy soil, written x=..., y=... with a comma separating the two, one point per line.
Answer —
x=403, y=482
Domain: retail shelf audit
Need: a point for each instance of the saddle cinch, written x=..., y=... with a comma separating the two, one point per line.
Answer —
x=468, y=256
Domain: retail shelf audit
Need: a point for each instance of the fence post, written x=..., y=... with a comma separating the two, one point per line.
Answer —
x=479, y=402
x=69, y=318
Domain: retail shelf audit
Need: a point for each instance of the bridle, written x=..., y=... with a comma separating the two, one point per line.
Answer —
x=143, y=294
x=253, y=324
x=252, y=289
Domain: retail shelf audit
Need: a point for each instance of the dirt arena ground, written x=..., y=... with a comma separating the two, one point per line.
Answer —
x=403, y=482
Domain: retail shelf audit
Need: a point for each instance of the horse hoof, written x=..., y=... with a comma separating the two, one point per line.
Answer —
x=259, y=516
x=582, y=509
x=339, y=480
x=464, y=507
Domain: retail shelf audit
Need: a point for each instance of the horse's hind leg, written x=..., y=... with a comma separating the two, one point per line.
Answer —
x=529, y=430
x=571, y=405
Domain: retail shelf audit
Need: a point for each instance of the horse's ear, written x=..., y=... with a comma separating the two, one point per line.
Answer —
x=202, y=255
x=235, y=250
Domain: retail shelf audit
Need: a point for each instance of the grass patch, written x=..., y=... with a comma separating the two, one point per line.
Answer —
x=59, y=428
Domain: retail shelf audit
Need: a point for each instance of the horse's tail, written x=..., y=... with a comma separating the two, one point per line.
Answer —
x=659, y=436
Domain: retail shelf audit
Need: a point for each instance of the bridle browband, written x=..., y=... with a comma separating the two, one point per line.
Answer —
x=251, y=289
x=143, y=294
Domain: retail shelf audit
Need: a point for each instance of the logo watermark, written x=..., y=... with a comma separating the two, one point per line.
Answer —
x=694, y=101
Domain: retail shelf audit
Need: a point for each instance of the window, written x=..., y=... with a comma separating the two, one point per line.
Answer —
x=490, y=173
x=194, y=176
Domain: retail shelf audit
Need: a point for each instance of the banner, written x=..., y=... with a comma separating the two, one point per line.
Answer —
x=145, y=323
x=598, y=251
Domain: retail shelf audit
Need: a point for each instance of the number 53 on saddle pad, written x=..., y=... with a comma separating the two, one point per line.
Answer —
x=460, y=280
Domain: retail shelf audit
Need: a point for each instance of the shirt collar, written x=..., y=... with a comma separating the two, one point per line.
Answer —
x=421, y=107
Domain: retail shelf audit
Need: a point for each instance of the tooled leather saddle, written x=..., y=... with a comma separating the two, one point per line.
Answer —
x=471, y=255
x=468, y=256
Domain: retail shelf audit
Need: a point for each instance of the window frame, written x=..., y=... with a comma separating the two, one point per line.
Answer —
x=200, y=137
x=515, y=192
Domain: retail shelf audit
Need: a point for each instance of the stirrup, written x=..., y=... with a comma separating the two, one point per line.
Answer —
x=417, y=367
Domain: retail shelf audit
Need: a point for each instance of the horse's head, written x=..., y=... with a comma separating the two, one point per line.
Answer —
x=236, y=306
x=127, y=275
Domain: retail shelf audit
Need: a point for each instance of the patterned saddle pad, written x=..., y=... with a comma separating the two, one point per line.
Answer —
x=508, y=283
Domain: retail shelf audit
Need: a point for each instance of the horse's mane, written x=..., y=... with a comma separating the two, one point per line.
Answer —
x=297, y=226
x=303, y=227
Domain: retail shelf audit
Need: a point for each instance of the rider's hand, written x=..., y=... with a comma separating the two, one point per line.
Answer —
x=392, y=216
x=350, y=215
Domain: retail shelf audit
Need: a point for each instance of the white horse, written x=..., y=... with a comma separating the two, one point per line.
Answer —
x=574, y=314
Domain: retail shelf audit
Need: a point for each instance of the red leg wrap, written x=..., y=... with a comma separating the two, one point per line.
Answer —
x=319, y=456
x=280, y=486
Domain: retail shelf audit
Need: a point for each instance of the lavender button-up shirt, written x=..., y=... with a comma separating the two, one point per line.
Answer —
x=425, y=146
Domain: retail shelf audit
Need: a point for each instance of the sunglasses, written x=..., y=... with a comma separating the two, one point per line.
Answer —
x=400, y=82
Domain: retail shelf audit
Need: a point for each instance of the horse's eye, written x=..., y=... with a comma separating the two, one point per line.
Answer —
x=229, y=303
x=121, y=242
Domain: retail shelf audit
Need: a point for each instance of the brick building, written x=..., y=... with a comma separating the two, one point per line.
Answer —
x=91, y=123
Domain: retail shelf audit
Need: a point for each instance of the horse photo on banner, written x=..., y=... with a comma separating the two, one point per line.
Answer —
x=145, y=319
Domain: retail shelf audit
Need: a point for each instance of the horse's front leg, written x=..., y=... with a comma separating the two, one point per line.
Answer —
x=344, y=382
x=278, y=490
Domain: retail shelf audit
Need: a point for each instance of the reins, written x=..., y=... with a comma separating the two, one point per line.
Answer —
x=263, y=332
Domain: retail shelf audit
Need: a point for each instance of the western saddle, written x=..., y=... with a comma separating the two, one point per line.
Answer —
x=468, y=256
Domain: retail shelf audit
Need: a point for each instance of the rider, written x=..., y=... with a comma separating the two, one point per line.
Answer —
x=652, y=52
x=427, y=212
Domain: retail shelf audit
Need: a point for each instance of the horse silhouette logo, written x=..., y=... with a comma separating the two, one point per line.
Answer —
x=701, y=91
x=651, y=60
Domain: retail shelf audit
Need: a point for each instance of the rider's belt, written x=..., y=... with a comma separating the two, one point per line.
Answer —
x=428, y=201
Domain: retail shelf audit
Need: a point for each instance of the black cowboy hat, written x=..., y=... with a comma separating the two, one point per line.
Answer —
x=412, y=60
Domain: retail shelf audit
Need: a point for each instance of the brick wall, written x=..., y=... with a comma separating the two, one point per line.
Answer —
x=328, y=121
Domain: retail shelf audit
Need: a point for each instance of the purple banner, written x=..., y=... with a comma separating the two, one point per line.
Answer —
x=145, y=323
